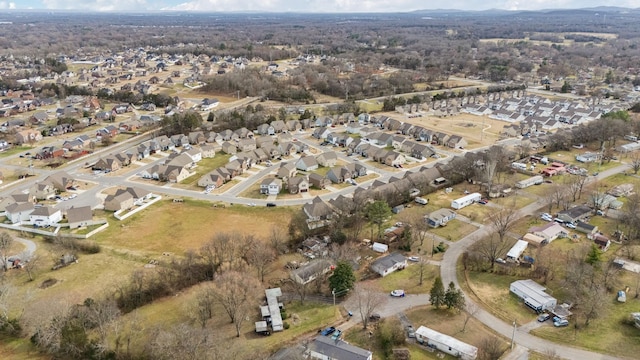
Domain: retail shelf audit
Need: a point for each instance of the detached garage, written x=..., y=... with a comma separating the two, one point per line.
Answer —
x=533, y=294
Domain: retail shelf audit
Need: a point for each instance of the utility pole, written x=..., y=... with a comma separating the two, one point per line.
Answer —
x=513, y=336
x=333, y=292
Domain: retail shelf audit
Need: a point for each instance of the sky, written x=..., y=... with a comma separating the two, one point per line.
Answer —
x=316, y=6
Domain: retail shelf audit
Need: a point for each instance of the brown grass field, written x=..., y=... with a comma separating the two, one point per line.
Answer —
x=177, y=227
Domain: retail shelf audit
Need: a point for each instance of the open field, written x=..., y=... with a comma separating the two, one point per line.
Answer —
x=175, y=224
x=204, y=166
x=15, y=150
x=455, y=230
x=409, y=279
x=466, y=125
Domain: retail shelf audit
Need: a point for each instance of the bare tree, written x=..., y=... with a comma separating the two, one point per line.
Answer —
x=492, y=348
x=574, y=185
x=422, y=264
x=260, y=257
x=6, y=241
x=492, y=248
x=238, y=294
x=502, y=221
x=277, y=237
x=225, y=249
x=299, y=288
x=471, y=309
x=101, y=314
x=368, y=300
x=202, y=308
x=419, y=228
x=635, y=162
x=31, y=264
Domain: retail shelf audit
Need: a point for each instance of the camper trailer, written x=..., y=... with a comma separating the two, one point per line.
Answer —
x=534, y=180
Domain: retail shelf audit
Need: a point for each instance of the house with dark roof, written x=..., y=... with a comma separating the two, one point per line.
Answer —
x=311, y=271
x=389, y=263
x=325, y=348
x=318, y=213
x=575, y=214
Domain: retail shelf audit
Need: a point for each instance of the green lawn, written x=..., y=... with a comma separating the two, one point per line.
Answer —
x=409, y=279
x=454, y=231
x=205, y=166
x=15, y=150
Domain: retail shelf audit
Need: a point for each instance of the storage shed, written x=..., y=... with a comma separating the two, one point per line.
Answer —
x=533, y=294
x=534, y=240
x=446, y=343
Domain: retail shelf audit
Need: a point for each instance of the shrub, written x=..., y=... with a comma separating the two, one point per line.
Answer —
x=286, y=325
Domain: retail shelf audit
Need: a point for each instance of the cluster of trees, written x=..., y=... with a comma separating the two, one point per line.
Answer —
x=181, y=123
x=452, y=298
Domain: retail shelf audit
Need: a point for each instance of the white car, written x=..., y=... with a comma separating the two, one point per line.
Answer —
x=414, y=258
x=570, y=225
x=397, y=293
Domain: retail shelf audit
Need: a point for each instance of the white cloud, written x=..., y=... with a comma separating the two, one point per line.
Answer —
x=96, y=5
x=7, y=5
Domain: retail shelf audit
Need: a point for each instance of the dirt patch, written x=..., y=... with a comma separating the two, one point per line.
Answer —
x=48, y=283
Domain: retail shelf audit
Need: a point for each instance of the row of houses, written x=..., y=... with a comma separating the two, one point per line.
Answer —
x=124, y=199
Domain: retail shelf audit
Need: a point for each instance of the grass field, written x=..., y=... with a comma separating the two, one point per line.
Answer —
x=455, y=230
x=15, y=150
x=204, y=166
x=409, y=279
x=182, y=226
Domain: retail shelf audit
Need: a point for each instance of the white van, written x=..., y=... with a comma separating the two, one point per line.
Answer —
x=421, y=201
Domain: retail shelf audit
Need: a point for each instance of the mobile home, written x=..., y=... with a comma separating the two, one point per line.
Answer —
x=446, y=343
x=534, y=180
x=466, y=201
x=519, y=166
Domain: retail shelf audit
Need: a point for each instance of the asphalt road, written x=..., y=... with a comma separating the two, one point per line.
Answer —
x=448, y=273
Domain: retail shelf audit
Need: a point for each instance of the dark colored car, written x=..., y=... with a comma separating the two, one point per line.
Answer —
x=328, y=331
x=271, y=204
x=544, y=317
x=374, y=317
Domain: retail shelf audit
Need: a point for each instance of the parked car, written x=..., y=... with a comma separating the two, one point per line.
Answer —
x=559, y=221
x=561, y=323
x=570, y=225
x=328, y=331
x=547, y=218
x=482, y=202
x=410, y=332
x=501, y=261
x=270, y=204
x=544, y=317
x=414, y=258
x=374, y=317
x=336, y=335
x=397, y=293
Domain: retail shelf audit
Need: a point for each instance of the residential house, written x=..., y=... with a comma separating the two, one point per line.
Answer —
x=45, y=216
x=122, y=201
x=389, y=263
x=229, y=148
x=318, y=213
x=196, y=138
x=79, y=216
x=456, y=142
x=327, y=159
x=43, y=191
x=307, y=163
x=325, y=348
x=211, y=179
x=311, y=271
x=440, y=217
x=19, y=212
x=445, y=343
x=110, y=163
x=139, y=194
x=246, y=145
x=28, y=136
x=575, y=214
x=318, y=181
x=549, y=231
x=208, y=151
x=60, y=180
x=393, y=158
x=602, y=242
x=209, y=104
x=338, y=175
x=297, y=184
x=321, y=132
x=270, y=186
x=533, y=295
x=587, y=228
x=51, y=152
x=195, y=154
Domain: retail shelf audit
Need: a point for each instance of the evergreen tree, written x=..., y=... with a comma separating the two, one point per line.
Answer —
x=594, y=257
x=343, y=278
x=437, y=293
x=453, y=298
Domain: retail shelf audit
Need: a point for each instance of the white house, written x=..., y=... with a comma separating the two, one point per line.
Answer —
x=45, y=216
x=446, y=343
x=466, y=201
x=533, y=294
x=19, y=212
x=325, y=348
x=516, y=251
x=270, y=186
x=388, y=264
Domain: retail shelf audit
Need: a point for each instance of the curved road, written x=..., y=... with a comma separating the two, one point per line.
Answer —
x=448, y=273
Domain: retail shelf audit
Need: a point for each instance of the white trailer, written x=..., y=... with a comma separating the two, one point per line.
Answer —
x=519, y=166
x=446, y=343
x=466, y=201
x=534, y=180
